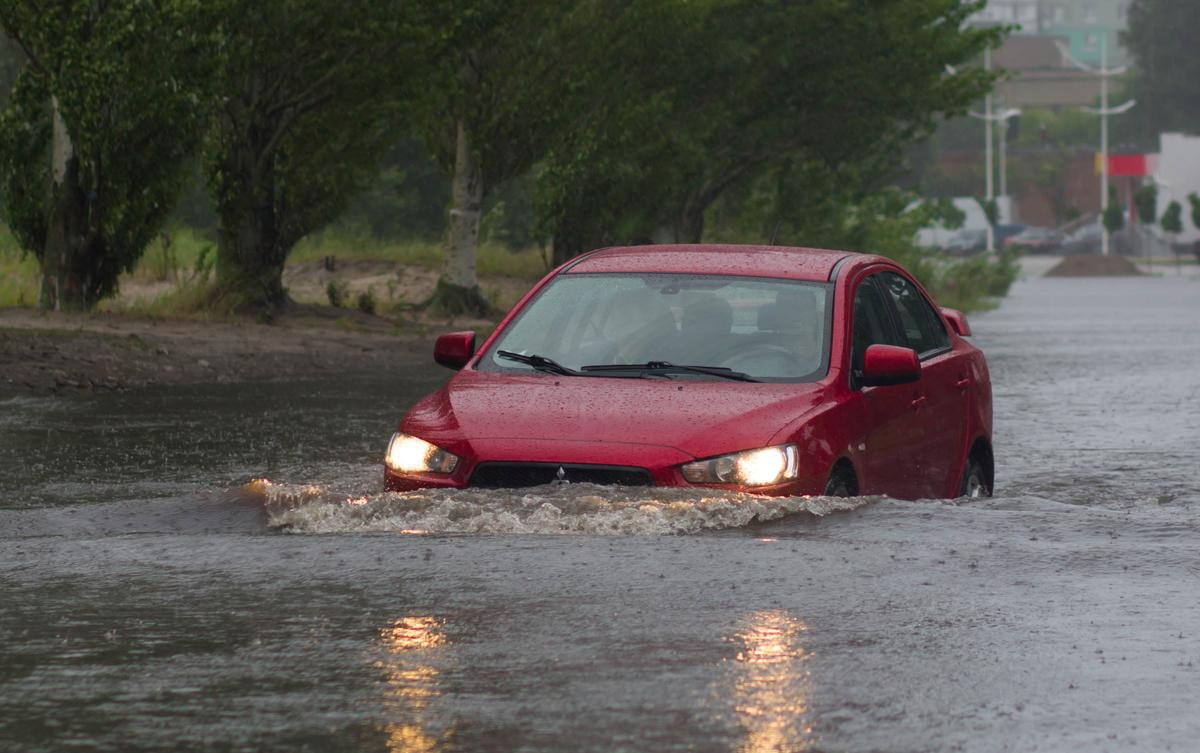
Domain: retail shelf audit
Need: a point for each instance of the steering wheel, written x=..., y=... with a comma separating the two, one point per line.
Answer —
x=752, y=351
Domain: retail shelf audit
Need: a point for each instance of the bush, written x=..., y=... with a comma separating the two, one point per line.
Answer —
x=336, y=293
x=366, y=301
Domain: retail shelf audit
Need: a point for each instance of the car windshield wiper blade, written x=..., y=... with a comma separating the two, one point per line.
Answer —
x=664, y=366
x=541, y=363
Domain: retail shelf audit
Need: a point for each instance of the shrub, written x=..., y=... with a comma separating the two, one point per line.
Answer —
x=366, y=302
x=336, y=293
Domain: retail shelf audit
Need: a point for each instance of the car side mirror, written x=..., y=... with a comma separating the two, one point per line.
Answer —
x=453, y=350
x=958, y=320
x=885, y=365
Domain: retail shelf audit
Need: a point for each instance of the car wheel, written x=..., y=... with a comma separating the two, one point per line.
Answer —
x=974, y=481
x=838, y=486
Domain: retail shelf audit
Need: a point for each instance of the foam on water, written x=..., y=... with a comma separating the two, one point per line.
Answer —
x=553, y=509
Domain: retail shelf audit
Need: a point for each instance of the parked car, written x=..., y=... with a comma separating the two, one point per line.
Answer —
x=966, y=242
x=1036, y=240
x=973, y=240
x=781, y=371
x=1006, y=230
x=1086, y=239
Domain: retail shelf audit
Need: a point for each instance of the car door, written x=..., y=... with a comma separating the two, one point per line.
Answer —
x=940, y=415
x=891, y=448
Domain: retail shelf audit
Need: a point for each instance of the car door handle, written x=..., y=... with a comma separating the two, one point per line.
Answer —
x=919, y=402
x=962, y=384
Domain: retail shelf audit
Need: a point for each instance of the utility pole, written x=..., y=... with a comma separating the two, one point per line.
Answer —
x=1104, y=72
x=1004, y=157
x=988, y=117
x=987, y=120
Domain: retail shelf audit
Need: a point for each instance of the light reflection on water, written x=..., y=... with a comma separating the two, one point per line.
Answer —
x=771, y=684
x=413, y=683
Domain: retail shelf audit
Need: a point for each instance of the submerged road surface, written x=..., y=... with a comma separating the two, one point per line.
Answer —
x=152, y=600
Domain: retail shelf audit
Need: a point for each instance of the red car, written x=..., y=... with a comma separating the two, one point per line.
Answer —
x=782, y=371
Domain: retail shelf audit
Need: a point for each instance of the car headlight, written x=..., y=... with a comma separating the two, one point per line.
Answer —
x=406, y=454
x=770, y=465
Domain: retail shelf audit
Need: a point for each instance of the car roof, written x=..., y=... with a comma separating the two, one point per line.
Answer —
x=812, y=264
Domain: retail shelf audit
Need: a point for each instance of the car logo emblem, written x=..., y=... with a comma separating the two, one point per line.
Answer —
x=562, y=475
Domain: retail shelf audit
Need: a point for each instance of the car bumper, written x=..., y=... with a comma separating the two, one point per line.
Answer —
x=530, y=462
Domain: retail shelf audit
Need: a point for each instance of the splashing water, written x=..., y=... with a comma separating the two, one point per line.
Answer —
x=552, y=509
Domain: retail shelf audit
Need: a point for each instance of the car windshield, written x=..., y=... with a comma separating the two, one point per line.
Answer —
x=768, y=329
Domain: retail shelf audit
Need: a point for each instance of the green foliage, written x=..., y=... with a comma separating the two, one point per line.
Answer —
x=18, y=273
x=366, y=302
x=11, y=62
x=1172, y=219
x=885, y=222
x=991, y=210
x=702, y=97
x=1064, y=128
x=128, y=79
x=1114, y=214
x=311, y=96
x=1145, y=199
x=493, y=260
x=503, y=70
x=406, y=201
x=1163, y=37
x=1194, y=201
x=336, y=293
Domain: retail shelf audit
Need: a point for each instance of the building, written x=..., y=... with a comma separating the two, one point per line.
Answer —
x=1177, y=177
x=1024, y=14
x=1039, y=76
x=1089, y=28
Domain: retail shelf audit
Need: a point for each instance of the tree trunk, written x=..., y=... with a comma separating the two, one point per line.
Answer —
x=688, y=226
x=691, y=221
x=74, y=273
x=458, y=288
x=250, y=250
x=565, y=246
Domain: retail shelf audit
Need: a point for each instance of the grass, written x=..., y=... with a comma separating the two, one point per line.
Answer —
x=492, y=259
x=174, y=256
x=19, y=275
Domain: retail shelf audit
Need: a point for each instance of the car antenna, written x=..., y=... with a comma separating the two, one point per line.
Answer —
x=775, y=232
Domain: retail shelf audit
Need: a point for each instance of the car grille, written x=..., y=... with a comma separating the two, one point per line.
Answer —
x=508, y=475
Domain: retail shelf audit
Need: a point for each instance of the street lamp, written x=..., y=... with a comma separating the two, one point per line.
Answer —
x=1104, y=72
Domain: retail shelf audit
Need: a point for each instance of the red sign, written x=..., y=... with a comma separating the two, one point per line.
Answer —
x=1128, y=165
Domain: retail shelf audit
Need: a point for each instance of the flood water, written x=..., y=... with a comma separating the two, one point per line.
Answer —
x=154, y=596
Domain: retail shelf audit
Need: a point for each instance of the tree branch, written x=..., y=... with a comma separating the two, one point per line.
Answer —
x=13, y=34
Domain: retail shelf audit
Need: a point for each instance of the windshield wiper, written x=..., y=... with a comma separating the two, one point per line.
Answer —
x=541, y=363
x=665, y=367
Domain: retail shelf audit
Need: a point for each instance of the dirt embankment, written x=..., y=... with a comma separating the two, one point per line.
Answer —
x=1094, y=265
x=77, y=354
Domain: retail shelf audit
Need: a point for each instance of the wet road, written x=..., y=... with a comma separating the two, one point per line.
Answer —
x=146, y=603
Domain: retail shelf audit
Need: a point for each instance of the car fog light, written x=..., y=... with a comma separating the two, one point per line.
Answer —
x=763, y=467
x=407, y=454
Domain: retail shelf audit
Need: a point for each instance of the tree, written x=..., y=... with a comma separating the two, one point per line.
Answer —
x=312, y=96
x=1114, y=214
x=504, y=89
x=1146, y=201
x=96, y=135
x=1194, y=201
x=743, y=85
x=1163, y=37
x=11, y=62
x=1172, y=219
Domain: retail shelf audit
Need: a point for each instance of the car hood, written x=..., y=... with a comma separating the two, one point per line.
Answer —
x=698, y=418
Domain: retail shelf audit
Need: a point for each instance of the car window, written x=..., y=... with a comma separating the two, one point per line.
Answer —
x=922, y=327
x=767, y=328
x=872, y=323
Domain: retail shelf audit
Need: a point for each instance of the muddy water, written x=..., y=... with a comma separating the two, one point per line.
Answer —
x=151, y=600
